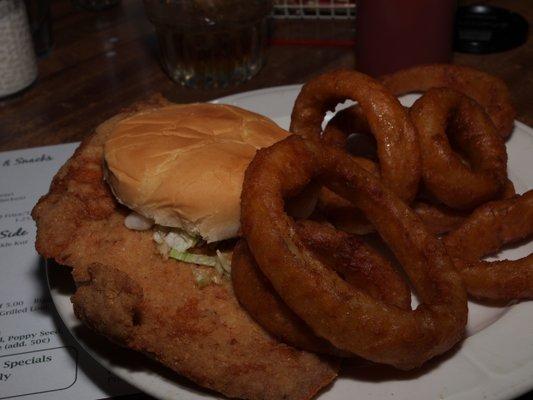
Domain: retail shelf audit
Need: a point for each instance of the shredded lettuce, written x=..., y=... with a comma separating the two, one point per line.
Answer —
x=176, y=239
x=175, y=243
x=199, y=259
x=201, y=278
x=223, y=263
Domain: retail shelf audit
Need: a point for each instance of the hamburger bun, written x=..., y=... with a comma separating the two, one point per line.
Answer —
x=183, y=165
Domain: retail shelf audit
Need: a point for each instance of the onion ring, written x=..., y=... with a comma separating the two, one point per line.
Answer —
x=398, y=151
x=489, y=91
x=440, y=219
x=347, y=317
x=437, y=218
x=445, y=113
x=256, y=296
x=345, y=122
x=340, y=212
x=355, y=261
x=485, y=232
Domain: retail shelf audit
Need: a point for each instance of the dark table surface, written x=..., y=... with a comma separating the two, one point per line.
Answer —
x=103, y=61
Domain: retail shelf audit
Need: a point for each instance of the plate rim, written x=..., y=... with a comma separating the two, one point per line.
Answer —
x=498, y=387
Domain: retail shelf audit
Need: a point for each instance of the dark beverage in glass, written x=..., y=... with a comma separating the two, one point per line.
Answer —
x=96, y=5
x=396, y=34
x=206, y=43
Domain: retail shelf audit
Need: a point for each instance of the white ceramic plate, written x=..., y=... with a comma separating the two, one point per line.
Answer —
x=494, y=362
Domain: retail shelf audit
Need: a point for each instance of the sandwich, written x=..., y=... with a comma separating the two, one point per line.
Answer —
x=152, y=186
x=179, y=169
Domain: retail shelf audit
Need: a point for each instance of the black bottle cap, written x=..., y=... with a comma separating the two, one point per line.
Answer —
x=483, y=29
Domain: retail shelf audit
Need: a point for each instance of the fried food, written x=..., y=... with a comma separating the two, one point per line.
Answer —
x=341, y=212
x=264, y=305
x=347, y=317
x=485, y=232
x=355, y=261
x=397, y=146
x=127, y=292
x=439, y=219
x=345, y=122
x=442, y=116
x=489, y=91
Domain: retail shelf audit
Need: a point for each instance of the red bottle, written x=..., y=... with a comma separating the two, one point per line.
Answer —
x=396, y=34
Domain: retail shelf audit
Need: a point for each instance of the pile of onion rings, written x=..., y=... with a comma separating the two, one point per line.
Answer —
x=355, y=261
x=483, y=96
x=351, y=318
x=460, y=122
x=434, y=187
x=487, y=90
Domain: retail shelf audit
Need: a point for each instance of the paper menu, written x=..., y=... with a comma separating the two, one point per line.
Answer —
x=39, y=359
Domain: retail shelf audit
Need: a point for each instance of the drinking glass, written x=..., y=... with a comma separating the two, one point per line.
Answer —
x=96, y=5
x=210, y=43
x=396, y=34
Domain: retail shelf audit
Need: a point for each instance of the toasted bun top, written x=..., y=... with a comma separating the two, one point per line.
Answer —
x=183, y=165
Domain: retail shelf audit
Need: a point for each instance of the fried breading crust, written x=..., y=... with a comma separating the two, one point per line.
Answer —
x=127, y=292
